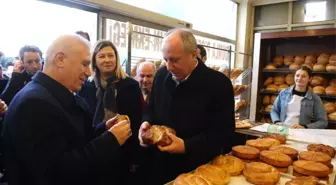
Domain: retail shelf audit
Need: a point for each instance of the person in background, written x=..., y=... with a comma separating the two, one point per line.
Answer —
x=194, y=100
x=24, y=70
x=83, y=34
x=201, y=53
x=48, y=135
x=145, y=75
x=297, y=106
x=3, y=80
x=2, y=59
x=110, y=92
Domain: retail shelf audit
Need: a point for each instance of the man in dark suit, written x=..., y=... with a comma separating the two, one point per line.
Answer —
x=48, y=136
x=194, y=100
x=24, y=70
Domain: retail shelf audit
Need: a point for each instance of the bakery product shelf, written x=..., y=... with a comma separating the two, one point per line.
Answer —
x=323, y=96
x=286, y=70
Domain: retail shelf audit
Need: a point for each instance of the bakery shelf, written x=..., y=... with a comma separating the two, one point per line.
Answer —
x=281, y=70
x=269, y=92
x=323, y=96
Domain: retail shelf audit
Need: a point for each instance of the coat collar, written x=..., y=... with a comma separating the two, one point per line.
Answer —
x=308, y=94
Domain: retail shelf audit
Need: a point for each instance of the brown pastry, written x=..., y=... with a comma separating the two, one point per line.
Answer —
x=331, y=68
x=288, y=60
x=191, y=179
x=240, y=104
x=214, y=174
x=238, y=89
x=272, y=87
x=317, y=80
x=263, y=144
x=278, y=137
x=275, y=158
x=266, y=100
x=311, y=180
x=310, y=59
x=286, y=150
x=330, y=107
x=323, y=59
x=311, y=168
x=270, y=67
x=315, y=156
x=278, y=80
x=273, y=98
x=261, y=174
x=333, y=83
x=319, y=67
x=282, y=87
x=268, y=108
x=268, y=81
x=322, y=148
x=282, y=170
x=331, y=91
x=332, y=116
x=294, y=66
x=290, y=79
x=233, y=165
x=310, y=66
x=319, y=90
x=278, y=61
x=299, y=59
x=243, y=124
x=332, y=59
x=157, y=134
x=123, y=117
x=235, y=73
x=245, y=152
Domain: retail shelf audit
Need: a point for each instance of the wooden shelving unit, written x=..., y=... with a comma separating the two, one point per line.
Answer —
x=294, y=43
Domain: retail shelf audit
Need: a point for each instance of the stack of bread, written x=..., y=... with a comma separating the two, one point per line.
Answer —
x=330, y=108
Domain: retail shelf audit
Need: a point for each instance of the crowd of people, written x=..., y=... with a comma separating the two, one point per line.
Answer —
x=60, y=117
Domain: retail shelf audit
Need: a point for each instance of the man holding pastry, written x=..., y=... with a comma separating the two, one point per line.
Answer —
x=192, y=108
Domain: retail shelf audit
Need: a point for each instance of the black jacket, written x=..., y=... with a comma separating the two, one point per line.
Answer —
x=15, y=84
x=48, y=138
x=201, y=110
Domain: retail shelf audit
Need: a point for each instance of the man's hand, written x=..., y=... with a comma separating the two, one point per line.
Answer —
x=143, y=128
x=296, y=126
x=18, y=66
x=122, y=131
x=3, y=107
x=111, y=122
x=177, y=146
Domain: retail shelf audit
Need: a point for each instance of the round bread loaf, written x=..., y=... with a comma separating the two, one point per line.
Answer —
x=322, y=148
x=263, y=144
x=315, y=156
x=330, y=107
x=278, y=137
x=191, y=179
x=233, y=165
x=278, y=61
x=268, y=108
x=311, y=168
x=267, y=100
x=332, y=59
x=272, y=87
x=303, y=181
x=245, y=152
x=291, y=152
x=310, y=59
x=332, y=116
x=331, y=68
x=331, y=91
x=323, y=59
x=282, y=86
x=270, y=67
x=261, y=174
x=299, y=60
x=273, y=98
x=278, y=80
x=157, y=134
x=333, y=83
x=317, y=80
x=214, y=174
x=268, y=81
x=288, y=60
x=290, y=79
x=319, y=67
x=275, y=158
x=294, y=66
x=319, y=90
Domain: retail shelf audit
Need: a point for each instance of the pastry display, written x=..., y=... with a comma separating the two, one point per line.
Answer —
x=310, y=168
x=289, y=79
x=319, y=90
x=238, y=89
x=191, y=179
x=261, y=174
x=315, y=156
x=278, y=137
x=319, y=67
x=275, y=158
x=233, y=165
x=243, y=123
x=278, y=61
x=288, y=60
x=310, y=59
x=157, y=134
x=272, y=87
x=268, y=81
x=331, y=91
x=245, y=152
x=214, y=174
x=299, y=60
x=323, y=59
x=294, y=66
x=322, y=148
x=291, y=152
x=263, y=144
x=278, y=80
x=310, y=180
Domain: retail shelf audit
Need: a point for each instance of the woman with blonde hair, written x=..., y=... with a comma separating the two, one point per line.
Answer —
x=110, y=92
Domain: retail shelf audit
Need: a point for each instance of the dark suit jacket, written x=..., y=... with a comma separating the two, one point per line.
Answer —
x=201, y=110
x=48, y=138
x=15, y=84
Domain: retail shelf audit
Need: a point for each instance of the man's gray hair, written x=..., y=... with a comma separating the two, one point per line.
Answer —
x=145, y=63
x=187, y=37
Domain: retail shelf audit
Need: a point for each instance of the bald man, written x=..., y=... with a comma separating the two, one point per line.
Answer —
x=47, y=135
x=194, y=100
x=144, y=75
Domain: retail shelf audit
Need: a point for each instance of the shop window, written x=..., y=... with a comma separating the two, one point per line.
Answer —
x=315, y=11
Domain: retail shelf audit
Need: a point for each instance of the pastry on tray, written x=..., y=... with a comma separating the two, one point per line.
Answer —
x=279, y=137
x=190, y=179
x=315, y=156
x=291, y=152
x=311, y=168
x=310, y=180
x=245, y=152
x=322, y=148
x=275, y=158
x=233, y=165
x=261, y=174
x=214, y=174
x=263, y=144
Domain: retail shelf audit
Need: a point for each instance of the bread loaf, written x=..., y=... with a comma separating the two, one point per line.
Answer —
x=288, y=60
x=315, y=156
x=191, y=179
x=266, y=100
x=303, y=181
x=275, y=158
x=294, y=66
x=310, y=59
x=214, y=174
x=272, y=87
x=278, y=61
x=299, y=60
x=331, y=91
x=235, y=73
x=311, y=168
x=332, y=116
x=279, y=79
x=233, y=165
x=157, y=134
x=291, y=152
x=270, y=67
x=333, y=83
x=322, y=148
x=323, y=59
x=261, y=174
x=268, y=108
x=330, y=107
x=317, y=80
x=331, y=68
x=263, y=144
x=319, y=90
x=268, y=81
x=290, y=79
x=319, y=67
x=332, y=59
x=278, y=137
x=245, y=152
